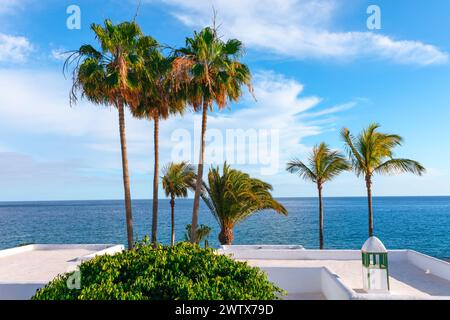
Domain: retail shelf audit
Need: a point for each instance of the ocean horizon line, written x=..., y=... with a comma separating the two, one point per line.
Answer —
x=184, y=199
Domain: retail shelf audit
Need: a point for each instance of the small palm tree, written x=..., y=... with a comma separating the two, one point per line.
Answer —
x=203, y=232
x=108, y=77
x=177, y=179
x=323, y=166
x=208, y=71
x=157, y=101
x=233, y=196
x=372, y=152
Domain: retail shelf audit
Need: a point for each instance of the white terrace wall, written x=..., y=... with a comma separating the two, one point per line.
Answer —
x=333, y=288
x=429, y=264
x=19, y=291
x=295, y=280
x=98, y=248
x=24, y=290
x=309, y=280
x=294, y=253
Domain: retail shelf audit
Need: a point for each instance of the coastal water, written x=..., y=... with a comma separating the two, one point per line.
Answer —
x=419, y=223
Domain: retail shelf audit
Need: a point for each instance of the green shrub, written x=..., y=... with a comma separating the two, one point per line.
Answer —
x=185, y=272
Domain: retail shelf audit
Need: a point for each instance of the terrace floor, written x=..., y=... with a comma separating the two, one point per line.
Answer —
x=39, y=266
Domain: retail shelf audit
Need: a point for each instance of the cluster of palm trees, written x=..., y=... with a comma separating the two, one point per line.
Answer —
x=132, y=70
x=230, y=195
x=370, y=153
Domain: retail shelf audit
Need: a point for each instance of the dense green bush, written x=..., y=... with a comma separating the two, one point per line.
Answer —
x=184, y=271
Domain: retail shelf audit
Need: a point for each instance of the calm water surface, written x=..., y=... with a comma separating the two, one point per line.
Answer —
x=419, y=223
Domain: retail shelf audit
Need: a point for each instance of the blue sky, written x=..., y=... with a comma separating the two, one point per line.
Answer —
x=317, y=68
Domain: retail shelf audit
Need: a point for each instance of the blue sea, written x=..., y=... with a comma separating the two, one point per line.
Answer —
x=419, y=223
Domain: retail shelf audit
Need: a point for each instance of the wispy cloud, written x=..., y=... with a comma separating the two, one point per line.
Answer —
x=59, y=54
x=14, y=49
x=328, y=111
x=8, y=6
x=301, y=29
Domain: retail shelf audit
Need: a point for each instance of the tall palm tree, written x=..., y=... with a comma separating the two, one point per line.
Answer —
x=233, y=196
x=108, y=77
x=372, y=152
x=208, y=72
x=176, y=181
x=323, y=165
x=157, y=101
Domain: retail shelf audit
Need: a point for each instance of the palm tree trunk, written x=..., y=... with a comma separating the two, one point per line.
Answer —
x=155, y=180
x=172, y=205
x=226, y=236
x=126, y=177
x=319, y=187
x=199, y=181
x=369, y=198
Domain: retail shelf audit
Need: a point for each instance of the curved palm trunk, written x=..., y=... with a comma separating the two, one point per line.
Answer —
x=126, y=177
x=199, y=181
x=319, y=187
x=155, y=180
x=369, y=202
x=172, y=206
x=226, y=236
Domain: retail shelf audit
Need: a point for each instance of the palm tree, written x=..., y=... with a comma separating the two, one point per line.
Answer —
x=176, y=181
x=323, y=165
x=208, y=71
x=233, y=196
x=157, y=100
x=372, y=152
x=108, y=77
x=203, y=232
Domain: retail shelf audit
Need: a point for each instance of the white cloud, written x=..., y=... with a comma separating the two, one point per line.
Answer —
x=38, y=102
x=279, y=106
x=34, y=103
x=34, y=107
x=14, y=49
x=301, y=29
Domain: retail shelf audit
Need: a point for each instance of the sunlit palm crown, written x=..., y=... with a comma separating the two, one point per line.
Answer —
x=157, y=96
x=233, y=196
x=177, y=179
x=372, y=152
x=106, y=75
x=323, y=165
x=208, y=70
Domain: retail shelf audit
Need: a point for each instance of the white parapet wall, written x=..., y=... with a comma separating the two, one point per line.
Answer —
x=25, y=269
x=333, y=288
x=318, y=283
x=294, y=252
x=429, y=264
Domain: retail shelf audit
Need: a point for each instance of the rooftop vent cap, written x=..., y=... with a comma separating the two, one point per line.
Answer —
x=374, y=245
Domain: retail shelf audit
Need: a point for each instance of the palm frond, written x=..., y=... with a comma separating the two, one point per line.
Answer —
x=177, y=179
x=373, y=152
x=232, y=196
x=324, y=165
x=355, y=152
x=395, y=166
x=297, y=167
